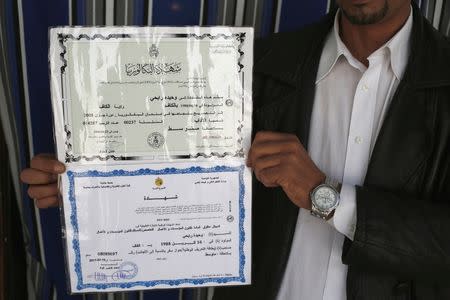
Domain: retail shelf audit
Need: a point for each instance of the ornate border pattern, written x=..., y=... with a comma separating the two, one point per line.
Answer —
x=125, y=285
x=62, y=38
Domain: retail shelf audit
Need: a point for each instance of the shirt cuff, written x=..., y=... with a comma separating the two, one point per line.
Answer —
x=344, y=218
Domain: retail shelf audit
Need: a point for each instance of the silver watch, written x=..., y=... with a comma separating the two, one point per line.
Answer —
x=325, y=199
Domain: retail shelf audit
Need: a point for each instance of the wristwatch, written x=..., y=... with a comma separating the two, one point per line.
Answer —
x=325, y=199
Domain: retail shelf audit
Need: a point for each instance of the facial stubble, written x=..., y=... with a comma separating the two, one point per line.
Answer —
x=362, y=18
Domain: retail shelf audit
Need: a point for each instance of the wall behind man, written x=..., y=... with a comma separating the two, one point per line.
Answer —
x=25, y=26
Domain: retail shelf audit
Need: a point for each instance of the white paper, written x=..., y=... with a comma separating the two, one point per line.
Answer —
x=154, y=126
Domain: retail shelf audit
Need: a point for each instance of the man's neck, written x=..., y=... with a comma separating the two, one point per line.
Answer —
x=363, y=40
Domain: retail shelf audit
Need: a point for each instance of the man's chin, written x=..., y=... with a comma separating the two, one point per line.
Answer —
x=362, y=15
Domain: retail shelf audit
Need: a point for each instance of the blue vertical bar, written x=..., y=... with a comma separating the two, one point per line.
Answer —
x=38, y=17
x=80, y=12
x=298, y=13
x=267, y=21
x=138, y=17
x=213, y=9
x=13, y=47
x=188, y=294
x=176, y=12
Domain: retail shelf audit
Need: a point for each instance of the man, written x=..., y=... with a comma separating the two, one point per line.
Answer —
x=367, y=92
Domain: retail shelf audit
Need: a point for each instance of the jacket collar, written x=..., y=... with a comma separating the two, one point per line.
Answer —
x=299, y=53
x=429, y=62
x=295, y=52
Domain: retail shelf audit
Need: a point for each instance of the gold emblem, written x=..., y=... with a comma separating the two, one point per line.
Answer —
x=159, y=181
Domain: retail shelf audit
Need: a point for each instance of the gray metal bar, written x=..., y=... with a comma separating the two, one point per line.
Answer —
x=150, y=17
x=109, y=13
x=278, y=15
x=99, y=14
x=28, y=120
x=221, y=12
x=437, y=13
x=130, y=12
x=210, y=293
x=120, y=12
x=90, y=12
x=70, y=12
x=230, y=14
x=253, y=15
x=239, y=15
x=226, y=12
x=202, y=8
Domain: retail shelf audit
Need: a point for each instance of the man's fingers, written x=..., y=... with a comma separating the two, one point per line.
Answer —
x=47, y=163
x=32, y=176
x=43, y=191
x=272, y=147
x=264, y=162
x=47, y=202
x=264, y=136
x=262, y=149
x=269, y=176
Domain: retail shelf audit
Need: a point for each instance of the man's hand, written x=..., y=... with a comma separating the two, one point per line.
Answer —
x=42, y=176
x=279, y=159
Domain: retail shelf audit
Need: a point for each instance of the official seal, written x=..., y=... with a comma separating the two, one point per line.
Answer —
x=128, y=270
x=155, y=140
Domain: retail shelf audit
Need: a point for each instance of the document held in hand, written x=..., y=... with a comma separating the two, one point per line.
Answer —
x=154, y=126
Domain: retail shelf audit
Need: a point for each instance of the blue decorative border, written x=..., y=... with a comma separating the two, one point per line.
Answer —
x=93, y=173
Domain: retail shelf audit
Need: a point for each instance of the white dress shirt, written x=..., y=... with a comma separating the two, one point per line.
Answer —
x=350, y=103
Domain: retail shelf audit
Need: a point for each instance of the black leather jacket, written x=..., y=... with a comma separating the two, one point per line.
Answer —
x=401, y=249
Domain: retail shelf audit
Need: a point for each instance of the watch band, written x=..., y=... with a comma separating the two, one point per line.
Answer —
x=334, y=183
x=318, y=214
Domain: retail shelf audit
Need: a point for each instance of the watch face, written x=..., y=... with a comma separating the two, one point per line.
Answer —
x=324, y=198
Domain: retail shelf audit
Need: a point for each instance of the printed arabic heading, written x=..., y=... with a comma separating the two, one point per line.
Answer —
x=133, y=69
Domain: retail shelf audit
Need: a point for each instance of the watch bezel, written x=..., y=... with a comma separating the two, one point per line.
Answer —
x=313, y=203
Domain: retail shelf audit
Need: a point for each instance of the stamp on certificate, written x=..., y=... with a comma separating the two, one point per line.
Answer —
x=98, y=276
x=155, y=140
x=127, y=270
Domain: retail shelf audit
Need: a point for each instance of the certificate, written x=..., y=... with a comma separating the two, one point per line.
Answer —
x=154, y=126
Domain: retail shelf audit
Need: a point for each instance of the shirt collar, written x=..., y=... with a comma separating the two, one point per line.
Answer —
x=398, y=47
x=334, y=48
